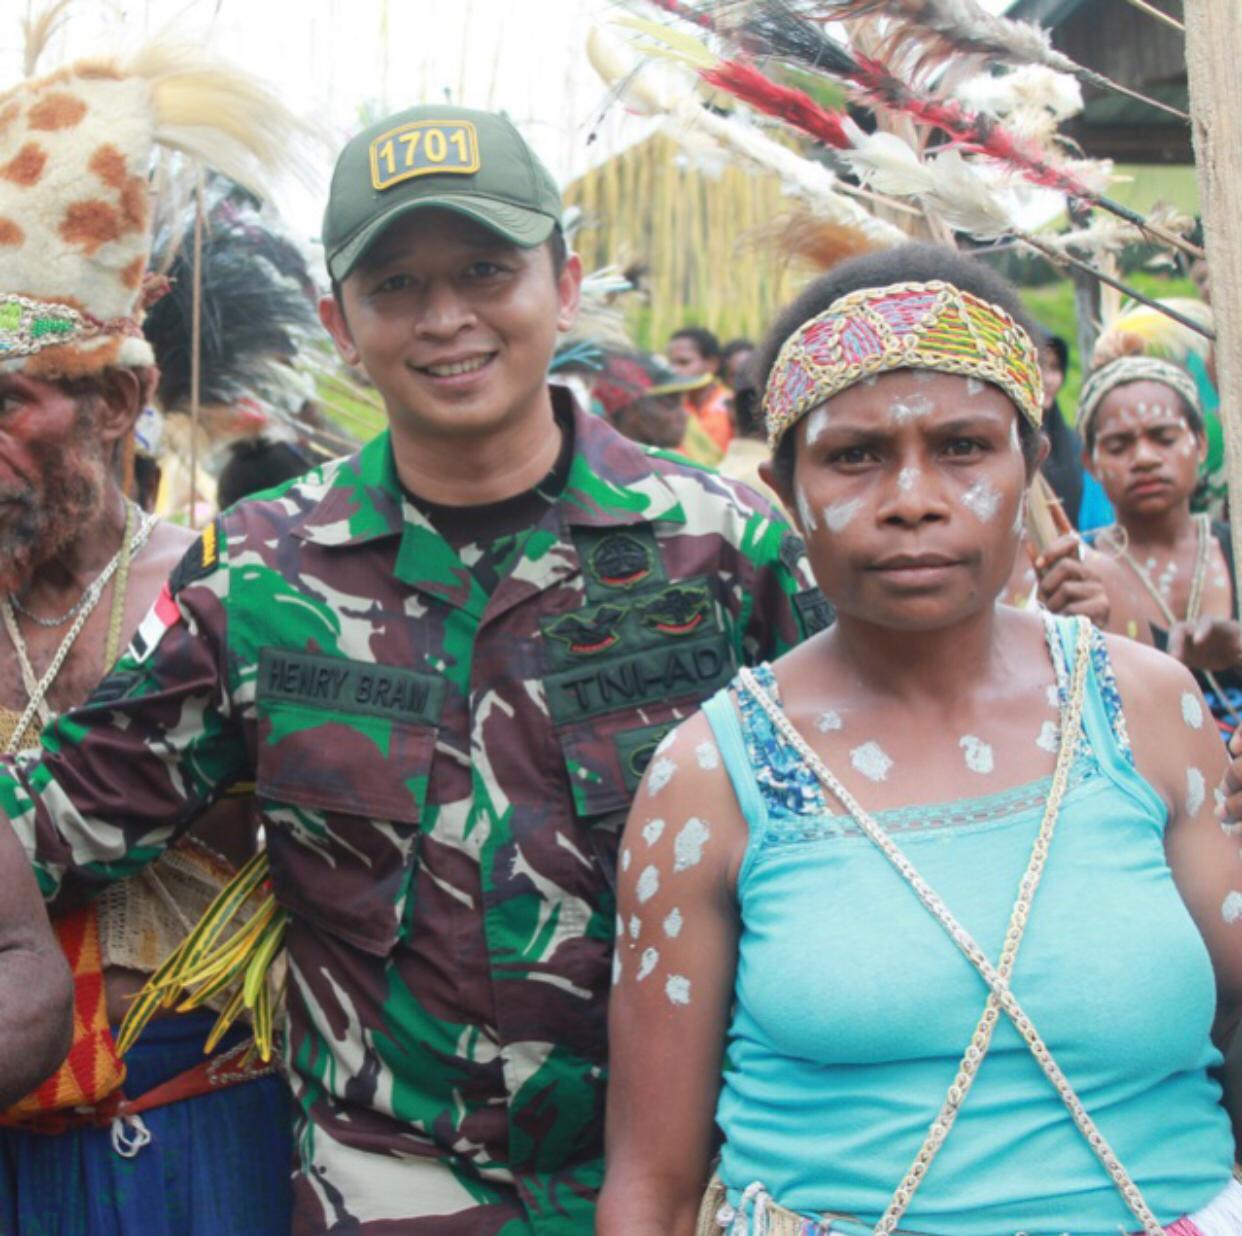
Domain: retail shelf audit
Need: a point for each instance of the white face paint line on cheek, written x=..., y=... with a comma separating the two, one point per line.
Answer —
x=673, y=923
x=1231, y=907
x=805, y=513
x=828, y=722
x=647, y=963
x=840, y=515
x=707, y=755
x=652, y=831
x=648, y=885
x=982, y=500
x=688, y=847
x=978, y=754
x=1195, y=791
x=677, y=989
x=660, y=775
x=871, y=760
x=1192, y=711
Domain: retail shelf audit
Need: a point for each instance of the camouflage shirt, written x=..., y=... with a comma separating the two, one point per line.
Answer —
x=442, y=773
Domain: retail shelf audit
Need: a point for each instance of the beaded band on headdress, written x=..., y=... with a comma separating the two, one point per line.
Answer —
x=1133, y=369
x=28, y=326
x=904, y=326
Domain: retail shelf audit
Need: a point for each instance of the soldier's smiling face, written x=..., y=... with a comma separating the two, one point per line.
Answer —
x=454, y=325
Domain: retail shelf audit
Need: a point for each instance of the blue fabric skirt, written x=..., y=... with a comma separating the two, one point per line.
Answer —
x=217, y=1165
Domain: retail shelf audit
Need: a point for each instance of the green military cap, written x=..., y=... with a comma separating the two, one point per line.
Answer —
x=474, y=163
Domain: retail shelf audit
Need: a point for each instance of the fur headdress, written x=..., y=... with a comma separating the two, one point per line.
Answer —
x=76, y=154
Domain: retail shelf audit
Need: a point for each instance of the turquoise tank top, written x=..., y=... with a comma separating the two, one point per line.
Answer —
x=853, y=1007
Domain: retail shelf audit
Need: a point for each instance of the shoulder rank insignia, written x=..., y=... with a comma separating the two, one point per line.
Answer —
x=200, y=559
x=620, y=561
x=591, y=635
x=676, y=611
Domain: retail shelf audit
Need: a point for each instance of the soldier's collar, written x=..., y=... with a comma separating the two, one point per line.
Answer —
x=611, y=483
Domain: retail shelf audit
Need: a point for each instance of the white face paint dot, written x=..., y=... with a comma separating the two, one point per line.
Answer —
x=707, y=755
x=978, y=753
x=840, y=515
x=828, y=722
x=660, y=774
x=974, y=386
x=647, y=963
x=1195, y=791
x=688, y=847
x=672, y=924
x=1049, y=737
x=648, y=884
x=906, y=479
x=1192, y=711
x=625, y=860
x=636, y=926
x=1231, y=908
x=982, y=499
x=871, y=760
x=652, y=831
x=677, y=989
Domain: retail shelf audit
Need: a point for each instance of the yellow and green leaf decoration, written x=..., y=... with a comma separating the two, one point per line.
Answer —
x=213, y=958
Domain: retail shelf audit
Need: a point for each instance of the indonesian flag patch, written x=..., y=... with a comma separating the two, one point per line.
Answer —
x=160, y=617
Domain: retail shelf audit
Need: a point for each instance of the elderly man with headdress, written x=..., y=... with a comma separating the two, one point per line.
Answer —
x=167, y=1139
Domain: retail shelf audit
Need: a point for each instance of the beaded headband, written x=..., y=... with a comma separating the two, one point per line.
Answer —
x=904, y=326
x=28, y=326
x=1134, y=369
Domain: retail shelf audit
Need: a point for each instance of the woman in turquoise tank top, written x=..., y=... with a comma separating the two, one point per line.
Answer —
x=970, y=978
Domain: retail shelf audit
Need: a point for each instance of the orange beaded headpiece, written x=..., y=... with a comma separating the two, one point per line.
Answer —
x=904, y=326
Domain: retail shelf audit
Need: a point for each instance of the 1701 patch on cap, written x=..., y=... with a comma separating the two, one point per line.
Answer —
x=424, y=148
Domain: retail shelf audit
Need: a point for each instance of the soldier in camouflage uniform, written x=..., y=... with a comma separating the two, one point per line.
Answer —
x=446, y=705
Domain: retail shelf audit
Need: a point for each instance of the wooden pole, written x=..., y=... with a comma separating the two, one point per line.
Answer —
x=1213, y=50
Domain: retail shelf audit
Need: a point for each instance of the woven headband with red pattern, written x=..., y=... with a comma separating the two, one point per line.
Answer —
x=903, y=326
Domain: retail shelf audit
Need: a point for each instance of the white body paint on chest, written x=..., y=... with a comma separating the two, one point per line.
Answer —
x=1231, y=907
x=978, y=753
x=652, y=831
x=688, y=846
x=872, y=761
x=828, y=722
x=673, y=923
x=647, y=963
x=636, y=926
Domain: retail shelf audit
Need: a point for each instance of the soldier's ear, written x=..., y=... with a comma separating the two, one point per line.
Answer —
x=332, y=315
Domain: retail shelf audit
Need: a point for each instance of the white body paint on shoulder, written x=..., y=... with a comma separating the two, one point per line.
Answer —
x=661, y=774
x=648, y=885
x=616, y=968
x=978, y=753
x=982, y=500
x=707, y=755
x=688, y=847
x=1194, y=791
x=1192, y=711
x=677, y=988
x=828, y=722
x=636, y=926
x=1231, y=907
x=625, y=860
x=840, y=515
x=673, y=923
x=647, y=963
x=872, y=761
x=652, y=831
